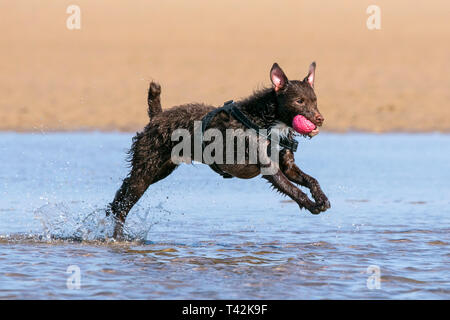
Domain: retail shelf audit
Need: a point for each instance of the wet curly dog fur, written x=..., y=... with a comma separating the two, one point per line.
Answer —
x=150, y=153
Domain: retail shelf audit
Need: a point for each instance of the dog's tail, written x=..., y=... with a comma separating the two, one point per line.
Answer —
x=154, y=99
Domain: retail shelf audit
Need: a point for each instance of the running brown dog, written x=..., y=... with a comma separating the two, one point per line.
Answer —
x=275, y=107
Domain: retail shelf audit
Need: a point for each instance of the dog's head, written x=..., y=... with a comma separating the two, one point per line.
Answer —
x=296, y=97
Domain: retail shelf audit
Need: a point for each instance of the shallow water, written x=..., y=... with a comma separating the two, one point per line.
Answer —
x=196, y=235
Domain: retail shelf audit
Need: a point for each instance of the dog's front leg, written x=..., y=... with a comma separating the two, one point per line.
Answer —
x=294, y=174
x=283, y=185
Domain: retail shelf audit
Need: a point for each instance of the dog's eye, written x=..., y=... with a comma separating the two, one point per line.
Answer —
x=300, y=101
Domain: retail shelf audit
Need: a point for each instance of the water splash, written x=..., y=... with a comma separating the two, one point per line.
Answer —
x=80, y=221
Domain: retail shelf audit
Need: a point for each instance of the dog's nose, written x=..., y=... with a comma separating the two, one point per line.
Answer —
x=319, y=119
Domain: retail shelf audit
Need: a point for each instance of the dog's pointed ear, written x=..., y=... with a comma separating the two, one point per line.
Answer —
x=278, y=78
x=311, y=75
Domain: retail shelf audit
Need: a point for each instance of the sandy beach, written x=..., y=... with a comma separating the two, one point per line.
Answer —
x=96, y=78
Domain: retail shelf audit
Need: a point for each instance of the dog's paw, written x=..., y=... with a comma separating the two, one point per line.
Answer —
x=311, y=207
x=314, y=210
x=320, y=207
x=154, y=89
x=324, y=206
x=322, y=202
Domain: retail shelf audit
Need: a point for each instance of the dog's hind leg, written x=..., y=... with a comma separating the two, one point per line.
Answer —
x=132, y=189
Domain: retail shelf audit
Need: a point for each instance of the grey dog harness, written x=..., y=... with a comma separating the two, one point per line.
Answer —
x=230, y=108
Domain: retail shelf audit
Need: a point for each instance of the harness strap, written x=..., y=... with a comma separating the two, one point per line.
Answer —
x=230, y=108
x=205, y=122
x=284, y=142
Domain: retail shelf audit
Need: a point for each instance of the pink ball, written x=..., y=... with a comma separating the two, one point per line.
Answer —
x=302, y=125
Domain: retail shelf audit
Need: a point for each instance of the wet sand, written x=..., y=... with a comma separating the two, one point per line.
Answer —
x=52, y=78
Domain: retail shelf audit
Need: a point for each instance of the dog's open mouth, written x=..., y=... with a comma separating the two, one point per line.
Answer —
x=314, y=132
x=303, y=126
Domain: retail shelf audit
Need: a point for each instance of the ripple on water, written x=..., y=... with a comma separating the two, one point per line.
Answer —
x=400, y=240
x=389, y=278
x=247, y=244
x=437, y=243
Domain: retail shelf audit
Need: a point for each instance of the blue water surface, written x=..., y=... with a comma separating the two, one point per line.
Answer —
x=195, y=235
